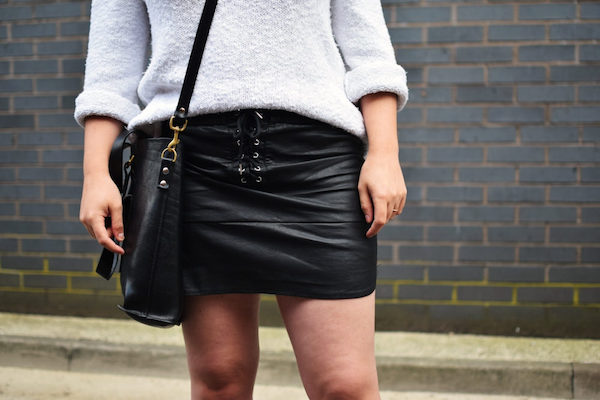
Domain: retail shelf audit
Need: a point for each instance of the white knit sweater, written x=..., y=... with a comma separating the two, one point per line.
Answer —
x=313, y=57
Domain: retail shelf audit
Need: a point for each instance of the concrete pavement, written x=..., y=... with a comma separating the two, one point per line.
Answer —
x=410, y=364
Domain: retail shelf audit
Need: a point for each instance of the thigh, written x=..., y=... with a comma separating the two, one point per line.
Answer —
x=333, y=340
x=221, y=335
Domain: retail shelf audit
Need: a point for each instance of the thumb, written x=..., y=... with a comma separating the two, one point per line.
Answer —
x=365, y=203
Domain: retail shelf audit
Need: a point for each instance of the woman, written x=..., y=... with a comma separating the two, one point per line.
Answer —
x=281, y=195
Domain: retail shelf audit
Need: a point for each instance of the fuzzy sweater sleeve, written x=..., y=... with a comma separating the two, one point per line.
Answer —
x=115, y=62
x=361, y=34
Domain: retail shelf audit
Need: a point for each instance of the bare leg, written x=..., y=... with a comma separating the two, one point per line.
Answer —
x=334, y=344
x=221, y=340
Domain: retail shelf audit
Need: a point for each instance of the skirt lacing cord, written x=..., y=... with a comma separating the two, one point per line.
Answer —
x=249, y=144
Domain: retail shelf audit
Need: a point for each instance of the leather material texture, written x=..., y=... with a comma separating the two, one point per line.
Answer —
x=276, y=202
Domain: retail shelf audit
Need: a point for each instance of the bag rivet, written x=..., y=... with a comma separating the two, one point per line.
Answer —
x=163, y=183
x=165, y=170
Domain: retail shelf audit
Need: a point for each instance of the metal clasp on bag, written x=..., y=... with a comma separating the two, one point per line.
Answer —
x=171, y=146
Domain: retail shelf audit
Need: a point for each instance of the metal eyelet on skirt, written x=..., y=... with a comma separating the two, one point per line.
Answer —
x=255, y=155
x=259, y=179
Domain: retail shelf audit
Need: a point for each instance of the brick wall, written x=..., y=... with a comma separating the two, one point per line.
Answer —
x=499, y=147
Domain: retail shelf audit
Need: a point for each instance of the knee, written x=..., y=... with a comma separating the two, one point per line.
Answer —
x=349, y=386
x=223, y=380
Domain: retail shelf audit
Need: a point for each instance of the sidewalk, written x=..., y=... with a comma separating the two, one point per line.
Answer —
x=556, y=368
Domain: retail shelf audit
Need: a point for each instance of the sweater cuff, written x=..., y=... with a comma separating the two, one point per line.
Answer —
x=104, y=103
x=376, y=77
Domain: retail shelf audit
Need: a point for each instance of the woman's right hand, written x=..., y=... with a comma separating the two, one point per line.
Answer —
x=100, y=199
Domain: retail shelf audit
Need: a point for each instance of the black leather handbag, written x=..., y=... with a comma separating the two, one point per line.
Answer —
x=149, y=179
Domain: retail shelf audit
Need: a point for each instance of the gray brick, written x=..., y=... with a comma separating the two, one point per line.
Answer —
x=590, y=254
x=7, y=209
x=384, y=291
x=4, y=104
x=40, y=174
x=425, y=292
x=410, y=154
x=547, y=214
x=590, y=11
x=15, y=192
x=401, y=272
x=591, y=133
x=4, y=68
x=73, y=66
x=428, y=213
x=574, y=31
x=545, y=294
x=16, y=85
x=36, y=66
x=447, y=34
x=430, y=55
x=455, y=114
x=486, y=213
x=546, y=11
x=455, y=273
x=574, y=154
x=34, y=30
x=590, y=214
x=580, y=194
x=516, y=32
x=589, y=52
x=486, y=174
x=425, y=135
x=414, y=75
x=489, y=94
x=422, y=14
x=17, y=121
x=45, y=281
x=18, y=156
x=433, y=253
x=575, y=114
x=35, y=102
x=549, y=134
x=58, y=84
x=57, y=120
x=589, y=295
x=486, y=134
x=486, y=253
x=42, y=210
x=63, y=156
x=516, y=74
x=85, y=246
x=94, y=283
x=406, y=35
x=400, y=232
x=22, y=262
x=548, y=254
x=455, y=154
x=505, y=194
x=68, y=101
x=455, y=75
x=59, y=10
x=515, y=154
x=546, y=94
x=65, y=228
x=62, y=192
x=484, y=293
x=484, y=54
x=7, y=174
x=516, y=274
x=589, y=93
x=384, y=252
x=3, y=32
x=9, y=280
x=75, y=174
x=547, y=53
x=44, y=245
x=431, y=95
x=410, y=115
x=39, y=138
x=577, y=234
x=485, y=13
x=80, y=28
x=14, y=13
x=515, y=234
x=16, y=49
x=427, y=174
x=567, y=73
x=590, y=174
x=454, y=233
x=455, y=194
x=456, y=314
x=548, y=174
x=6, y=139
x=70, y=264
x=516, y=114
x=60, y=48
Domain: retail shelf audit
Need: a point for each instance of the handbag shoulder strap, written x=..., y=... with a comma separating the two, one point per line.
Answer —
x=191, y=73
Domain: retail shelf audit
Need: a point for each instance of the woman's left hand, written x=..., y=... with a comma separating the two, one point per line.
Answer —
x=381, y=189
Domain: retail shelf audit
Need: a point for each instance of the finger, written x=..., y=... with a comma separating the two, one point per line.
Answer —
x=102, y=236
x=380, y=215
x=116, y=215
x=365, y=203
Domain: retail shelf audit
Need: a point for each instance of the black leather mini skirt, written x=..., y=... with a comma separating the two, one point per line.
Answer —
x=270, y=205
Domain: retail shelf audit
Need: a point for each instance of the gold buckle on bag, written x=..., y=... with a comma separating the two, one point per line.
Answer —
x=171, y=146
